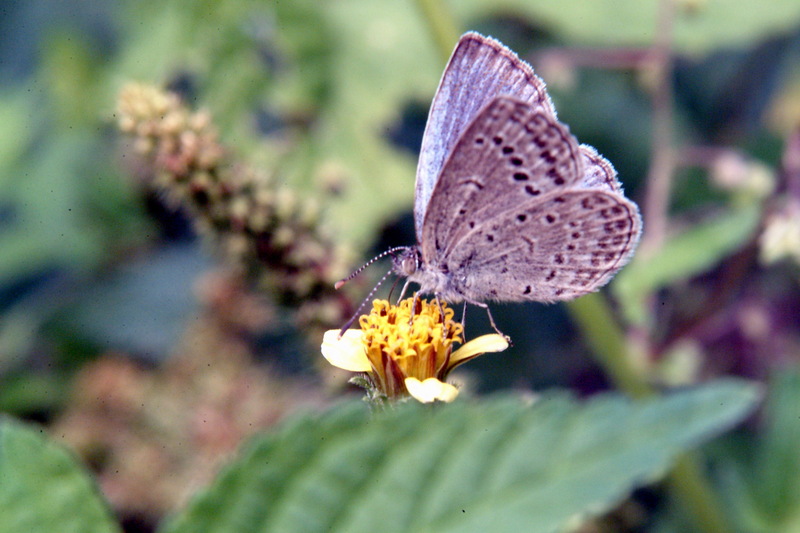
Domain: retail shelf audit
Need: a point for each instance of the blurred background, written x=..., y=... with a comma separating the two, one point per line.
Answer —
x=153, y=319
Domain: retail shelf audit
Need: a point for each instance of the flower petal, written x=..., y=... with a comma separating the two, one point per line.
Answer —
x=483, y=344
x=431, y=389
x=347, y=353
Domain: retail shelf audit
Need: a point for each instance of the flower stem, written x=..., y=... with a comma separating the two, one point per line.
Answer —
x=442, y=25
x=687, y=482
x=593, y=316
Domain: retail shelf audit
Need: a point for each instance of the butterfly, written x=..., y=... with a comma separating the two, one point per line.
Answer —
x=508, y=206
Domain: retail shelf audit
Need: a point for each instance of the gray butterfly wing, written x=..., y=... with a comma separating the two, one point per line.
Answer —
x=511, y=153
x=521, y=212
x=561, y=246
x=479, y=70
x=598, y=172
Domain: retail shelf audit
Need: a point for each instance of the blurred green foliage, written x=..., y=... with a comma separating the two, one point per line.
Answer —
x=330, y=98
x=760, y=475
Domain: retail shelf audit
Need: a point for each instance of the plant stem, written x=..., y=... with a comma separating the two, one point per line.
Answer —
x=442, y=25
x=659, y=178
x=593, y=316
x=688, y=484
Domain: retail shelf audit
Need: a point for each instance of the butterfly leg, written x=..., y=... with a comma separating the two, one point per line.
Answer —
x=413, y=305
x=403, y=293
x=441, y=313
x=394, y=286
x=491, y=320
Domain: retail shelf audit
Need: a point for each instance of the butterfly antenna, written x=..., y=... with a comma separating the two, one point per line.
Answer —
x=364, y=302
x=338, y=285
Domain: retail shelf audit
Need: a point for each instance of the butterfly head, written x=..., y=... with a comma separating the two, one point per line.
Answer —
x=407, y=262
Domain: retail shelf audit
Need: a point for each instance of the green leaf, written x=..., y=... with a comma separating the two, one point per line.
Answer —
x=690, y=253
x=27, y=392
x=43, y=489
x=502, y=465
x=699, y=26
x=762, y=484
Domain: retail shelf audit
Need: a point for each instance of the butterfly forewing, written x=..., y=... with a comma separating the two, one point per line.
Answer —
x=479, y=70
x=511, y=154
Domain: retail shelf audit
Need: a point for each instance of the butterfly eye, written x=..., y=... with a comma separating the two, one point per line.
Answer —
x=406, y=263
x=410, y=263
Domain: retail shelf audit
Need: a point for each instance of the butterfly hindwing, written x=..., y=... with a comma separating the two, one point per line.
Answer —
x=566, y=245
x=511, y=154
x=598, y=172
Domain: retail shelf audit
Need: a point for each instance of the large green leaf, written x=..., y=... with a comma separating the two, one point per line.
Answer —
x=502, y=465
x=42, y=488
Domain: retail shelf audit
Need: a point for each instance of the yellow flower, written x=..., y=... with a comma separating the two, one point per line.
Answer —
x=404, y=357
